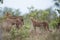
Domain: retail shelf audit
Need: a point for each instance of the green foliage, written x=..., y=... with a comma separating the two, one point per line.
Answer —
x=33, y=13
x=17, y=12
x=22, y=33
x=53, y=24
x=44, y=15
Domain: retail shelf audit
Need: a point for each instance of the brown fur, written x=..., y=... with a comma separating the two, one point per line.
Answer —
x=12, y=20
x=15, y=21
x=39, y=24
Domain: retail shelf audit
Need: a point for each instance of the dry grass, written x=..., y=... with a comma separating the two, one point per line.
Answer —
x=28, y=34
x=39, y=35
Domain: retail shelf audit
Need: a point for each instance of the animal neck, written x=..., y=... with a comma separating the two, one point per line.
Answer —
x=34, y=20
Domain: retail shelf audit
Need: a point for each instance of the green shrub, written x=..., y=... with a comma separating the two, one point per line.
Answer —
x=53, y=24
x=22, y=33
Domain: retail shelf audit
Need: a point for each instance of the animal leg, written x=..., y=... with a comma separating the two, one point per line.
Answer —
x=17, y=26
x=47, y=28
x=35, y=29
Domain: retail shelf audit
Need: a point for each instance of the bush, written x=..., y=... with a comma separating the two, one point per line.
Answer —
x=53, y=24
x=19, y=34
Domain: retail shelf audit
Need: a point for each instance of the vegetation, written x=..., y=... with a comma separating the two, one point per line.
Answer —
x=24, y=32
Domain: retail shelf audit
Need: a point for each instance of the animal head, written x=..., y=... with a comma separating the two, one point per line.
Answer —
x=8, y=14
x=20, y=19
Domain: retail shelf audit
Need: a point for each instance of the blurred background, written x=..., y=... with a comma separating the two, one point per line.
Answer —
x=40, y=10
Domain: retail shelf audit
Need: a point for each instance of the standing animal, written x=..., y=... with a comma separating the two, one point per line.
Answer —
x=39, y=24
x=7, y=24
x=14, y=20
x=19, y=21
